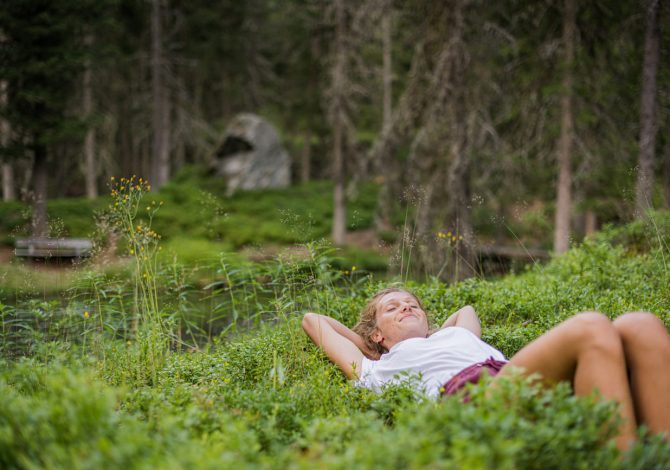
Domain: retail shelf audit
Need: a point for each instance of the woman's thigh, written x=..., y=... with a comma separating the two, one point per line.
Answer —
x=555, y=354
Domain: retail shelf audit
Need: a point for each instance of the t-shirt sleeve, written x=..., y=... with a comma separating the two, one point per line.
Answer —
x=367, y=377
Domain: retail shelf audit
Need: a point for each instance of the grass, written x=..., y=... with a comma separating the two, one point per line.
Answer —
x=196, y=209
x=128, y=371
x=265, y=397
x=197, y=223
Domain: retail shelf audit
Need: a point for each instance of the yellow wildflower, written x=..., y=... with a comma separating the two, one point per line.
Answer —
x=86, y=314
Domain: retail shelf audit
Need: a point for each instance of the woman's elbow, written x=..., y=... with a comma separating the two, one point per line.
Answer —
x=308, y=321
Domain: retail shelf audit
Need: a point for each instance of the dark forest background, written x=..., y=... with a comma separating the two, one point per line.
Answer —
x=560, y=109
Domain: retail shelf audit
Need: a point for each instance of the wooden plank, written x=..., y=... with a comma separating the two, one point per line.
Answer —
x=53, y=247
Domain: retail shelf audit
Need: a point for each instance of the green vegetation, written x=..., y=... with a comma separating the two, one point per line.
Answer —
x=198, y=222
x=179, y=344
x=127, y=371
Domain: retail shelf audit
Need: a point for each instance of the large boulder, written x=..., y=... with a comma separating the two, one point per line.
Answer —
x=251, y=155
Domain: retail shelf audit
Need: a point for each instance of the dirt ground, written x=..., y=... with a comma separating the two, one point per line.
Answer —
x=6, y=254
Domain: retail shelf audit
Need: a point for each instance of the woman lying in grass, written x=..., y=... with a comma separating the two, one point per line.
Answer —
x=626, y=360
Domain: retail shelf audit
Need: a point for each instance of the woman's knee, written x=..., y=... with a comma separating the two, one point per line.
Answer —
x=595, y=330
x=643, y=330
x=591, y=322
x=636, y=322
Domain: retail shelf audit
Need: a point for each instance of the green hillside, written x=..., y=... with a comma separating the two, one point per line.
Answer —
x=81, y=389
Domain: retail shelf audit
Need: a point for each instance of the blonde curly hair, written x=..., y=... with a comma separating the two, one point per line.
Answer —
x=367, y=325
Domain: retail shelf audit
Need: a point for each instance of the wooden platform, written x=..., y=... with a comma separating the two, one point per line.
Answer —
x=53, y=248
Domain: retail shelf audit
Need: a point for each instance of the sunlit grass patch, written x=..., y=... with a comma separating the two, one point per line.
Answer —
x=193, y=251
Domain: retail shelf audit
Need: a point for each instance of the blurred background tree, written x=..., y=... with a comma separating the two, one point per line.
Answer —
x=453, y=108
x=44, y=52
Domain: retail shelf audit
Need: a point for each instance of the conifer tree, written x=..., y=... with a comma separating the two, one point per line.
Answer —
x=41, y=59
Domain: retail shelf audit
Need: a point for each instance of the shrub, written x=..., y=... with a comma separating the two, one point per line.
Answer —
x=260, y=394
x=520, y=425
x=58, y=418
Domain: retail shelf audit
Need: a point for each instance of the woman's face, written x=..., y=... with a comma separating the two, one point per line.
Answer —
x=399, y=317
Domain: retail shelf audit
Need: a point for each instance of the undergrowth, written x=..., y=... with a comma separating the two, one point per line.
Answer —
x=196, y=209
x=130, y=373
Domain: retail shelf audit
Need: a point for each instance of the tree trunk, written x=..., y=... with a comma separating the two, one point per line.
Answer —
x=387, y=71
x=26, y=182
x=339, y=207
x=459, y=205
x=8, y=189
x=563, y=199
x=180, y=132
x=126, y=148
x=40, y=173
x=385, y=166
x=590, y=222
x=306, y=157
x=419, y=247
x=160, y=156
x=252, y=87
x=90, y=173
x=450, y=124
x=462, y=120
x=666, y=178
x=645, y=172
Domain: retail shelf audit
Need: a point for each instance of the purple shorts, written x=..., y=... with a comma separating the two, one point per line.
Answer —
x=471, y=375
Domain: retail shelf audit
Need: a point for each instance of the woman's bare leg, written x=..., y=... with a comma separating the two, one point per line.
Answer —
x=646, y=345
x=586, y=350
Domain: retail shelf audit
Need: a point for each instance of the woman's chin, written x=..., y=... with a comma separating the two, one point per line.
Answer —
x=417, y=332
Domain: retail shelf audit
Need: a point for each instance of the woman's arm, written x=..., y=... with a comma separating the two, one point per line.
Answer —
x=465, y=318
x=342, y=346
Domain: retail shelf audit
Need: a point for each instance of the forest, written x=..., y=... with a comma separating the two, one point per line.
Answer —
x=228, y=166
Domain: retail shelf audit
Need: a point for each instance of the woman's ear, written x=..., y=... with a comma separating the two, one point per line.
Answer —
x=377, y=336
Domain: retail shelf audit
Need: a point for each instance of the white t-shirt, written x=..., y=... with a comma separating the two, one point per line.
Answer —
x=435, y=359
